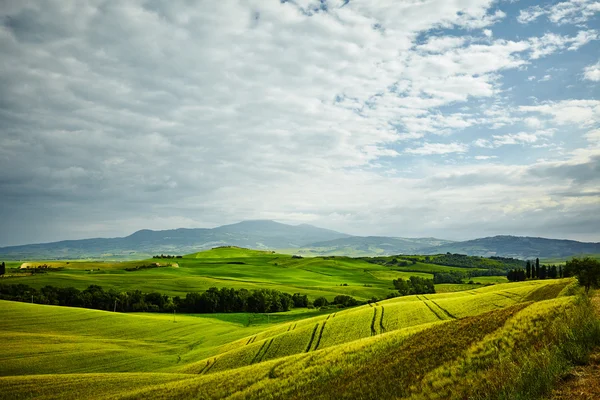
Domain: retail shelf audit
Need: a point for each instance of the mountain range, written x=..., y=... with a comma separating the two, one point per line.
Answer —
x=296, y=239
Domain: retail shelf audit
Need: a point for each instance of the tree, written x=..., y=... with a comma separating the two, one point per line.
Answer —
x=560, y=272
x=528, y=270
x=586, y=270
x=320, y=302
x=553, y=272
x=2, y=268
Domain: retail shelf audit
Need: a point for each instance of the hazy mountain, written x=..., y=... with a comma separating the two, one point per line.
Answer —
x=517, y=246
x=371, y=245
x=301, y=239
x=252, y=234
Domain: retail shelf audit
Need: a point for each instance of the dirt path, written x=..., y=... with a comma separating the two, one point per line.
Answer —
x=583, y=382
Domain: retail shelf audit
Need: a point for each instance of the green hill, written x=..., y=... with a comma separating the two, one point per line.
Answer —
x=455, y=344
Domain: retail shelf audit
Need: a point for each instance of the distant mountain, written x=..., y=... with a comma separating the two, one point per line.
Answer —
x=260, y=234
x=296, y=239
x=358, y=246
x=517, y=247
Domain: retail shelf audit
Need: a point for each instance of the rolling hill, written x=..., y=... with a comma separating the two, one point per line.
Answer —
x=517, y=247
x=260, y=234
x=484, y=343
x=290, y=239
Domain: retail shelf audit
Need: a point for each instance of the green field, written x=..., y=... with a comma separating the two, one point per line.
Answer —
x=58, y=351
x=406, y=347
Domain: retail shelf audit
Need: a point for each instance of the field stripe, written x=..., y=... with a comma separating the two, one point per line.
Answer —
x=210, y=366
x=204, y=368
x=433, y=311
x=444, y=310
x=266, y=350
x=320, y=335
x=258, y=352
x=373, y=330
x=381, y=320
x=312, y=338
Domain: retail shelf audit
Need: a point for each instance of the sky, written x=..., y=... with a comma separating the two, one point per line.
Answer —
x=454, y=119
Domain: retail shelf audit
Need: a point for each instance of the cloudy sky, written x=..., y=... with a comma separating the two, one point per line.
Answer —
x=447, y=118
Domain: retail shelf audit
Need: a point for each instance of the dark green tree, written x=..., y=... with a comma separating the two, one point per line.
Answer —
x=2, y=268
x=560, y=272
x=320, y=302
x=553, y=272
x=586, y=270
x=528, y=270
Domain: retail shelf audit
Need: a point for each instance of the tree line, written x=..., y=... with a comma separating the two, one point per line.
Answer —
x=214, y=300
x=533, y=270
x=414, y=285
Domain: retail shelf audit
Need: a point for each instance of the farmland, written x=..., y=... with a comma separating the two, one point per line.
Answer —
x=411, y=347
x=234, y=268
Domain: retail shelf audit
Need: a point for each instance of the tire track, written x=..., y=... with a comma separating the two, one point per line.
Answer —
x=264, y=353
x=373, y=330
x=381, y=320
x=320, y=335
x=312, y=338
x=258, y=352
x=433, y=311
x=444, y=310
x=210, y=367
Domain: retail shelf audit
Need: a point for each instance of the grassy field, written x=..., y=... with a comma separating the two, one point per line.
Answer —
x=231, y=267
x=439, y=345
x=443, y=345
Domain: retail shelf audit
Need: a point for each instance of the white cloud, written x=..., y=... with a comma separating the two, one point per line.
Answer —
x=581, y=112
x=592, y=72
x=566, y=12
x=438, y=148
x=485, y=157
x=488, y=33
x=545, y=78
x=550, y=42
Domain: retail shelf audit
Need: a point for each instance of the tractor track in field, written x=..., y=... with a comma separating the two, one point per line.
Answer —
x=373, y=330
x=381, y=320
x=320, y=335
x=258, y=352
x=432, y=310
x=312, y=338
x=209, y=367
x=264, y=353
x=444, y=310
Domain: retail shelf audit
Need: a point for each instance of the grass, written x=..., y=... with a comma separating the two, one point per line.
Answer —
x=236, y=268
x=498, y=340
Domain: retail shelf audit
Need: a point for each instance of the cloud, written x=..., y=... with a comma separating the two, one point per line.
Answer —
x=566, y=12
x=551, y=43
x=438, y=148
x=118, y=116
x=592, y=72
x=581, y=112
x=485, y=157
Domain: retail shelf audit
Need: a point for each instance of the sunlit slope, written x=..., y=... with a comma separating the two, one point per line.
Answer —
x=47, y=339
x=449, y=359
x=233, y=268
x=371, y=320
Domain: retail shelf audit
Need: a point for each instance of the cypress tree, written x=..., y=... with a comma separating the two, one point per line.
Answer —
x=2, y=268
x=528, y=269
x=560, y=272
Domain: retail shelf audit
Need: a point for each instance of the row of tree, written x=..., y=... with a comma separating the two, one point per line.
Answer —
x=214, y=300
x=414, y=285
x=2, y=268
x=533, y=270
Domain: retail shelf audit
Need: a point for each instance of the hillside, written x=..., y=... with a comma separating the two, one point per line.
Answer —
x=301, y=239
x=365, y=246
x=145, y=243
x=451, y=345
x=516, y=246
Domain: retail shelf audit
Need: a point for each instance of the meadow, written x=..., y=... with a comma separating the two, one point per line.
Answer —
x=233, y=268
x=443, y=345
